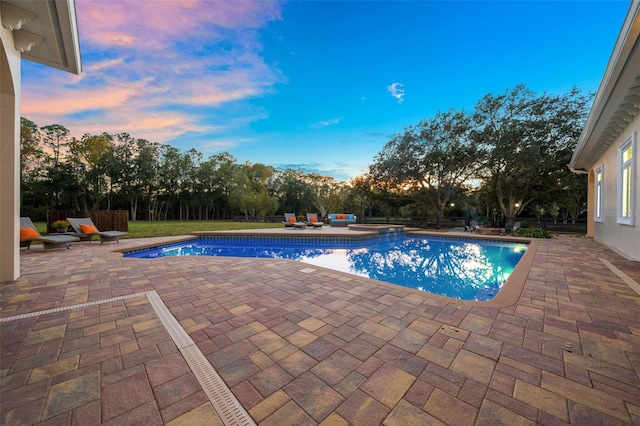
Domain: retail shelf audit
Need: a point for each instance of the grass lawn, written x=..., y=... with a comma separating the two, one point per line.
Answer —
x=142, y=229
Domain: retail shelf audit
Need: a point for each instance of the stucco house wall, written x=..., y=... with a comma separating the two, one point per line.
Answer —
x=624, y=239
x=9, y=157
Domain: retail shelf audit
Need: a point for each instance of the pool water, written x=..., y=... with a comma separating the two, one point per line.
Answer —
x=464, y=269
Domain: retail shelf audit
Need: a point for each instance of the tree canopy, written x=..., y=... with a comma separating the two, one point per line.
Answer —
x=510, y=152
x=429, y=162
x=158, y=182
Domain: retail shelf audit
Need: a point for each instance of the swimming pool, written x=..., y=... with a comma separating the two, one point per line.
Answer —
x=466, y=269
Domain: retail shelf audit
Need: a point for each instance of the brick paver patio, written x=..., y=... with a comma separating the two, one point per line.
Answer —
x=305, y=345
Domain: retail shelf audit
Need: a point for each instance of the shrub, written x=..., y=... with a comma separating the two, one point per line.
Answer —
x=532, y=233
x=482, y=220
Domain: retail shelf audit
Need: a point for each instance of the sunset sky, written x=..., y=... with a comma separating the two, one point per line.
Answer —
x=318, y=86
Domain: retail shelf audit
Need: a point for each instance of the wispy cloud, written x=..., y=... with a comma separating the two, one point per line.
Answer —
x=161, y=74
x=225, y=143
x=326, y=123
x=97, y=66
x=60, y=101
x=339, y=170
x=397, y=91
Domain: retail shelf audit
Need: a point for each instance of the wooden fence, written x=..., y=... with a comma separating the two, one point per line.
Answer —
x=105, y=220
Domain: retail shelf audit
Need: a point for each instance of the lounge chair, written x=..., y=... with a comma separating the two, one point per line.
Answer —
x=290, y=221
x=515, y=227
x=474, y=226
x=85, y=230
x=312, y=219
x=29, y=233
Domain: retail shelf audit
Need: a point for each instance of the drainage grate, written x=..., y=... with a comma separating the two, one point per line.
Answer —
x=71, y=307
x=175, y=330
x=624, y=277
x=224, y=402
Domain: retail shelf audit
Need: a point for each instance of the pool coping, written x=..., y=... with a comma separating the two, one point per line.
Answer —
x=507, y=296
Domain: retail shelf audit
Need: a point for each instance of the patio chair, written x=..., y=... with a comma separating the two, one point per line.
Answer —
x=29, y=233
x=85, y=230
x=474, y=226
x=515, y=227
x=290, y=221
x=312, y=219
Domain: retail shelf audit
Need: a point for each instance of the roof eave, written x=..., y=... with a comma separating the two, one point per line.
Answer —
x=45, y=32
x=610, y=111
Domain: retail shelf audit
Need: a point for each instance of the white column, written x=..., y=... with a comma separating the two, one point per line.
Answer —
x=9, y=158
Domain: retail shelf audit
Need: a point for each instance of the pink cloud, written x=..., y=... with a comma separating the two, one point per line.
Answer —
x=154, y=24
x=158, y=126
x=217, y=97
x=62, y=101
x=103, y=65
x=143, y=60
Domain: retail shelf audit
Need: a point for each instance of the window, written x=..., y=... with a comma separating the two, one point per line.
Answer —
x=599, y=195
x=627, y=181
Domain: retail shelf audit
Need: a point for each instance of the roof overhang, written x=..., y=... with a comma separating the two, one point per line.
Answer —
x=44, y=31
x=617, y=101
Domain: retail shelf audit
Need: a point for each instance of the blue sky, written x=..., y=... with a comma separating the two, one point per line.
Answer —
x=318, y=86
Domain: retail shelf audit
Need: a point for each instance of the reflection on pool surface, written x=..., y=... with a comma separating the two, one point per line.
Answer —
x=460, y=268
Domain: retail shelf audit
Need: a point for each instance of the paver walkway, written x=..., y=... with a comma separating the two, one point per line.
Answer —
x=304, y=345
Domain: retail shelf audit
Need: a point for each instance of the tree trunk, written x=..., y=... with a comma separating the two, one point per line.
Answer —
x=133, y=202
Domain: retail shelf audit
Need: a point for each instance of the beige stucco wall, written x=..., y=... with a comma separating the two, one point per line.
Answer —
x=9, y=158
x=591, y=204
x=624, y=239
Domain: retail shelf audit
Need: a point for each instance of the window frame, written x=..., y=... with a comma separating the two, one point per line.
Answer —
x=599, y=195
x=631, y=141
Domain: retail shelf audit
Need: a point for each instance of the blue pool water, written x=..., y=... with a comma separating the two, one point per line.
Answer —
x=465, y=269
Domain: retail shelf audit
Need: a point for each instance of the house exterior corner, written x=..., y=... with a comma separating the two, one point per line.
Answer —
x=607, y=150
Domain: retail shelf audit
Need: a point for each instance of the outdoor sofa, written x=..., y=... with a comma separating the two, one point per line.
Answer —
x=341, y=219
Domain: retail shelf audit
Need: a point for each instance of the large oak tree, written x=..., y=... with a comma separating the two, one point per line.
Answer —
x=530, y=139
x=429, y=162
